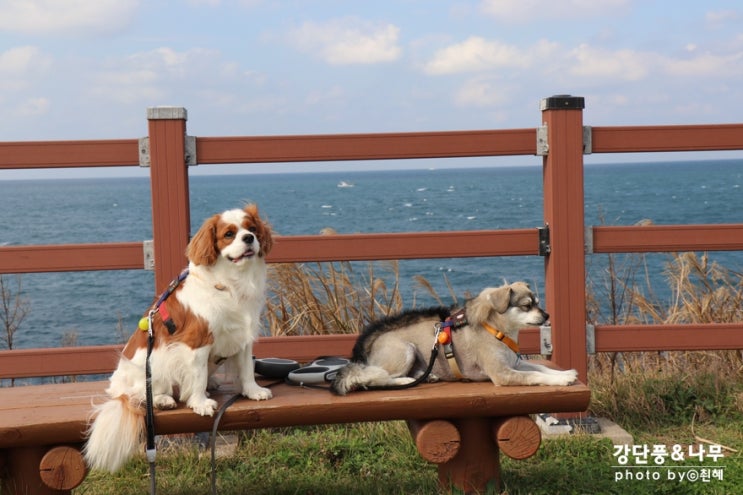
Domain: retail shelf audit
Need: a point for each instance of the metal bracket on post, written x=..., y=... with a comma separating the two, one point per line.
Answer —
x=590, y=339
x=545, y=340
x=588, y=240
x=543, y=147
x=144, y=152
x=189, y=152
x=190, y=145
x=544, y=241
x=148, y=247
x=587, y=139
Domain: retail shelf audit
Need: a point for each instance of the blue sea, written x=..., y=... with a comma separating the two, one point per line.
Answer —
x=93, y=305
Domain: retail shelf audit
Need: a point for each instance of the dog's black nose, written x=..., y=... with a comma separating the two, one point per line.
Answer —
x=248, y=238
x=546, y=315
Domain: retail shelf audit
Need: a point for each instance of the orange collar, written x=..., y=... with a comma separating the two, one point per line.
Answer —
x=502, y=337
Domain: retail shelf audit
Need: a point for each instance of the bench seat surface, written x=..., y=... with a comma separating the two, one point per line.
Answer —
x=58, y=413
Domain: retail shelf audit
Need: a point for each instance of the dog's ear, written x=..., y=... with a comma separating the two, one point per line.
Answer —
x=263, y=229
x=489, y=300
x=202, y=250
x=500, y=298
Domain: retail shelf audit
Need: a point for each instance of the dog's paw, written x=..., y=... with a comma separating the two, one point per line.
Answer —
x=204, y=408
x=565, y=378
x=432, y=378
x=402, y=380
x=255, y=392
x=163, y=401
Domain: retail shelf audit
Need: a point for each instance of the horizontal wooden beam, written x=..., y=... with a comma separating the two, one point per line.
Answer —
x=635, y=139
x=667, y=238
x=95, y=360
x=691, y=337
x=71, y=257
x=382, y=146
x=59, y=361
x=394, y=246
x=64, y=154
x=347, y=247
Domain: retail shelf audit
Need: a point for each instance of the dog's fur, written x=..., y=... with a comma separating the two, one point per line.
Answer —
x=395, y=350
x=216, y=311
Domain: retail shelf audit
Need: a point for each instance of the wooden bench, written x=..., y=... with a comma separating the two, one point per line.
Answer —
x=460, y=426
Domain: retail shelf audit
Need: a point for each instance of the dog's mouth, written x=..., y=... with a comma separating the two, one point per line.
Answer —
x=246, y=255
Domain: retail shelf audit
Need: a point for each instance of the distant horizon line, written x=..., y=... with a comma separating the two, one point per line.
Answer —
x=217, y=170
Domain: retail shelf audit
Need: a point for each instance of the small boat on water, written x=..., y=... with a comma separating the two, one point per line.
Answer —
x=343, y=183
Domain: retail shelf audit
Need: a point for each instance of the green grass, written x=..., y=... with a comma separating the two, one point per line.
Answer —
x=355, y=459
x=373, y=458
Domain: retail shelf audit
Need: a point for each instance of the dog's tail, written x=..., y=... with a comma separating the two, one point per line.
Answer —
x=115, y=435
x=355, y=376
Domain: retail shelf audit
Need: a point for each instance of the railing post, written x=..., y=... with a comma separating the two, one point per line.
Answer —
x=171, y=219
x=565, y=273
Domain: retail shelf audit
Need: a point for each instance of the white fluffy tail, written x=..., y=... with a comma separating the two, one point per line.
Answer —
x=115, y=434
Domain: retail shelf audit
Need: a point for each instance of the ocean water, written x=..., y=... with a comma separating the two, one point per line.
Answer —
x=94, y=305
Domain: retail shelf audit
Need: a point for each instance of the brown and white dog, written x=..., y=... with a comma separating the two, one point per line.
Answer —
x=215, y=313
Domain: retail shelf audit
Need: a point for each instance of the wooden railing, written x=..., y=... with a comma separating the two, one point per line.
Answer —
x=562, y=140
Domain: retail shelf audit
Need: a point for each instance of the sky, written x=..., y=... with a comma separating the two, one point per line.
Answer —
x=81, y=69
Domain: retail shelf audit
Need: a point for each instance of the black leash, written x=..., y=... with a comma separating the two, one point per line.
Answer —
x=213, y=438
x=453, y=322
x=417, y=381
x=151, y=450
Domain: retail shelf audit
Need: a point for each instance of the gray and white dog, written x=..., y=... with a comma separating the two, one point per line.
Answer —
x=480, y=342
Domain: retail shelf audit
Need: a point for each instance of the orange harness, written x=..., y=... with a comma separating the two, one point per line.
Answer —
x=458, y=320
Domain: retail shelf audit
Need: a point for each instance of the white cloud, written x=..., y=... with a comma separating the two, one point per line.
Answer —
x=348, y=41
x=482, y=92
x=326, y=96
x=722, y=16
x=22, y=60
x=33, y=107
x=21, y=65
x=478, y=54
x=76, y=17
x=625, y=65
x=706, y=64
x=631, y=65
x=548, y=10
x=152, y=76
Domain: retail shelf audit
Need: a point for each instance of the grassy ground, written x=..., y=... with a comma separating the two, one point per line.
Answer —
x=381, y=459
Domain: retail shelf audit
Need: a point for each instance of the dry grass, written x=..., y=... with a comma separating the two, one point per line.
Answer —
x=326, y=298
x=667, y=387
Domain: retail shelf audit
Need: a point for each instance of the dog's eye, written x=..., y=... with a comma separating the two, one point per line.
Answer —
x=252, y=229
x=229, y=234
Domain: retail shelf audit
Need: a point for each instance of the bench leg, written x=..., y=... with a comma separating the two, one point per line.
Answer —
x=477, y=463
x=21, y=472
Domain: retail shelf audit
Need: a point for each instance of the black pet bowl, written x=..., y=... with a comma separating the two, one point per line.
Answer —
x=275, y=367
